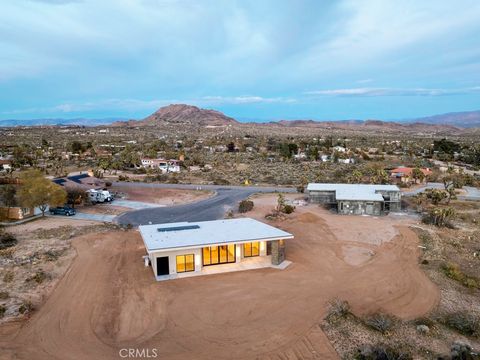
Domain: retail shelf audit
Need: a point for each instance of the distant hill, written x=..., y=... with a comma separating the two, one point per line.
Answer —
x=58, y=121
x=183, y=114
x=373, y=125
x=465, y=119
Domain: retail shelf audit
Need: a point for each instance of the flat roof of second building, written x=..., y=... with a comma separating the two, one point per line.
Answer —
x=204, y=233
x=358, y=192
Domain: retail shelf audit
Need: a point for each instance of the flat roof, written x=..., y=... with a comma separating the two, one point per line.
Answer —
x=358, y=192
x=204, y=233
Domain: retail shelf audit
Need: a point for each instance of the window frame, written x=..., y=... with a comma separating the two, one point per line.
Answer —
x=184, y=263
x=251, y=254
x=217, y=251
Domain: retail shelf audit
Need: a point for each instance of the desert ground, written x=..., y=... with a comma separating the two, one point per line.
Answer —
x=159, y=196
x=108, y=300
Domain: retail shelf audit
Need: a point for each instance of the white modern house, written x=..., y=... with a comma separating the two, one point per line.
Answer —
x=165, y=166
x=184, y=249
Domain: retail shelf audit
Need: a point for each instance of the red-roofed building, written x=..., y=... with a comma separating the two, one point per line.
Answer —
x=406, y=175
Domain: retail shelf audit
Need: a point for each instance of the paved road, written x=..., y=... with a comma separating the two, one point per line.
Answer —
x=225, y=198
x=471, y=192
x=135, y=204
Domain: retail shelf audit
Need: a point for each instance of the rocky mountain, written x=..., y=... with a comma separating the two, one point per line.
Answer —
x=465, y=119
x=183, y=114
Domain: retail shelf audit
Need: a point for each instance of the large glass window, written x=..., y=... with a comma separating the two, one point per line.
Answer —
x=185, y=263
x=218, y=254
x=251, y=249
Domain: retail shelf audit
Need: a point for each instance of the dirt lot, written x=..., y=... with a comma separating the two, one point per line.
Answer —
x=31, y=269
x=160, y=196
x=107, y=209
x=108, y=300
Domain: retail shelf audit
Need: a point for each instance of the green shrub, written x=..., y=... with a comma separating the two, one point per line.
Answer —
x=245, y=206
x=464, y=322
x=380, y=322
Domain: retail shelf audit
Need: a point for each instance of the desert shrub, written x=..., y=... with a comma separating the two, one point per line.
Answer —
x=4, y=295
x=424, y=321
x=453, y=271
x=245, y=206
x=7, y=240
x=338, y=309
x=26, y=308
x=108, y=183
x=123, y=178
x=464, y=322
x=221, y=181
x=52, y=255
x=439, y=217
x=382, y=352
x=380, y=322
x=39, y=277
x=301, y=189
x=8, y=276
x=3, y=309
x=288, y=209
x=462, y=351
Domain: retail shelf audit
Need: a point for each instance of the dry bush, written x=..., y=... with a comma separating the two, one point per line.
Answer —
x=26, y=307
x=380, y=322
x=382, y=352
x=464, y=322
x=4, y=295
x=8, y=276
x=39, y=277
x=7, y=240
x=3, y=309
x=245, y=206
x=453, y=271
x=338, y=309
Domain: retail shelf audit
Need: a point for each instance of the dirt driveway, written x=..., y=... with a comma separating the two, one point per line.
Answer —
x=108, y=300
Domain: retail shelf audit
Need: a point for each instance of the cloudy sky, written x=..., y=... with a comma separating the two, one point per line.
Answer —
x=255, y=60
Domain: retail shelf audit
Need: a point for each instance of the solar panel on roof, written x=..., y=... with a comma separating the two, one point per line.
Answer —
x=179, y=228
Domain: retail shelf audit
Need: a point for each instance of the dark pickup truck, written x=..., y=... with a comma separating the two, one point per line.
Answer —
x=62, y=210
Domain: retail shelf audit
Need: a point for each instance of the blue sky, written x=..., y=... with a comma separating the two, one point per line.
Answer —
x=255, y=60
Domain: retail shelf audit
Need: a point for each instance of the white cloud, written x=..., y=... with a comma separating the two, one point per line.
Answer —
x=392, y=92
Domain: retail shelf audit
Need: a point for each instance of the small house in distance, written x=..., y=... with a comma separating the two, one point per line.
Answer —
x=356, y=199
x=184, y=249
x=408, y=175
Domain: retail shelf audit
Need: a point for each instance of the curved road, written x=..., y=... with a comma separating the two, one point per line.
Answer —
x=472, y=193
x=215, y=207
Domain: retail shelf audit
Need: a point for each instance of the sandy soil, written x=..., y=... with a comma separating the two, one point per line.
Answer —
x=108, y=300
x=161, y=196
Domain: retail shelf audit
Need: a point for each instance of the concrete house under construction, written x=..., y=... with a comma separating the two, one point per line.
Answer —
x=356, y=199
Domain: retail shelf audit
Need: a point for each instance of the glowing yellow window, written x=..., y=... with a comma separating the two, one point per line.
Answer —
x=185, y=263
x=251, y=249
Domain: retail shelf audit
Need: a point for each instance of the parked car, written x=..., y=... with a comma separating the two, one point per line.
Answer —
x=62, y=210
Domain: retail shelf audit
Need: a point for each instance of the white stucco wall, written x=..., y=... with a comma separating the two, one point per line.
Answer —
x=197, y=252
